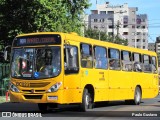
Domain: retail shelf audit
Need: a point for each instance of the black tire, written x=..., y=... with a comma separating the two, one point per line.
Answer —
x=43, y=107
x=53, y=105
x=86, y=101
x=128, y=102
x=137, y=96
x=101, y=104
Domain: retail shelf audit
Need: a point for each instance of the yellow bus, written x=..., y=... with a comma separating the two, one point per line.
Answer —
x=52, y=68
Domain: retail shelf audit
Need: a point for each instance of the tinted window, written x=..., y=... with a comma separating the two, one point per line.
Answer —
x=100, y=58
x=137, y=66
x=154, y=65
x=126, y=61
x=114, y=59
x=71, y=59
x=146, y=63
x=86, y=56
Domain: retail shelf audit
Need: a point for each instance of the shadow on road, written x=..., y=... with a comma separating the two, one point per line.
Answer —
x=31, y=107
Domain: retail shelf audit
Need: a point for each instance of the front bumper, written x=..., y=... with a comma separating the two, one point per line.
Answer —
x=37, y=97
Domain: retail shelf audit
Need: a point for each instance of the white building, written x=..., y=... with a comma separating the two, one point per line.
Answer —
x=121, y=20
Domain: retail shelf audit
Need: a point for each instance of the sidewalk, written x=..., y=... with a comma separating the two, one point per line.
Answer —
x=3, y=99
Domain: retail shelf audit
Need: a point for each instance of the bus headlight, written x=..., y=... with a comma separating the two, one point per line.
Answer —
x=55, y=87
x=13, y=88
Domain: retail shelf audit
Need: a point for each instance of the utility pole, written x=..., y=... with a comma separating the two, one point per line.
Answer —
x=118, y=26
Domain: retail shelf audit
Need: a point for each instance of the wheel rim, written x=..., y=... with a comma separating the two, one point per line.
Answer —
x=87, y=100
x=138, y=96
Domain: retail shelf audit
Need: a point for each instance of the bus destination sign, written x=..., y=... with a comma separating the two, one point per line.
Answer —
x=37, y=40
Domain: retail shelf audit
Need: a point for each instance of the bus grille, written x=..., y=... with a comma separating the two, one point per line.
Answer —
x=33, y=96
x=35, y=85
x=36, y=91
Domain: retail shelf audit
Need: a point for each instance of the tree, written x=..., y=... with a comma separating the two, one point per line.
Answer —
x=24, y=16
x=96, y=34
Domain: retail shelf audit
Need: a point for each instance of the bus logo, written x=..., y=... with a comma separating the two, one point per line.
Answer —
x=32, y=90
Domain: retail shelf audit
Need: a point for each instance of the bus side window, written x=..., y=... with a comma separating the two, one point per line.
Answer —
x=154, y=64
x=101, y=60
x=71, y=59
x=147, y=63
x=86, y=55
x=114, y=59
x=137, y=66
x=126, y=61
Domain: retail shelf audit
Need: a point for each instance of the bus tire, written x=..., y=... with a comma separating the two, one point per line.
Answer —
x=137, y=96
x=86, y=101
x=42, y=107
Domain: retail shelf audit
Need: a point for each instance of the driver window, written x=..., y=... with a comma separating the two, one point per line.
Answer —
x=71, y=59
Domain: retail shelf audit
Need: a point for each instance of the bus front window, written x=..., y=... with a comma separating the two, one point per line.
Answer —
x=36, y=63
x=47, y=62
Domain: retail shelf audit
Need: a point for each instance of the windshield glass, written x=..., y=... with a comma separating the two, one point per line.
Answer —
x=36, y=63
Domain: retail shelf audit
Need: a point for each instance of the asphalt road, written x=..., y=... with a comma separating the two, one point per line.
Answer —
x=149, y=108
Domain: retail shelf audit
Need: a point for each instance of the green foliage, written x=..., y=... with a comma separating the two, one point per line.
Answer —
x=100, y=35
x=25, y=16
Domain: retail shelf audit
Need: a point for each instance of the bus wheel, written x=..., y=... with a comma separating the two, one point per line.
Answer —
x=86, y=101
x=137, y=96
x=42, y=107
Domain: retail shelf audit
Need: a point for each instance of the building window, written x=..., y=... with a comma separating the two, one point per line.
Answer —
x=138, y=26
x=143, y=27
x=95, y=20
x=102, y=12
x=143, y=20
x=133, y=33
x=110, y=33
x=125, y=26
x=110, y=12
x=144, y=40
x=138, y=33
x=95, y=27
x=143, y=47
x=144, y=33
x=133, y=26
x=138, y=40
x=110, y=26
x=101, y=20
x=110, y=19
x=125, y=33
x=133, y=12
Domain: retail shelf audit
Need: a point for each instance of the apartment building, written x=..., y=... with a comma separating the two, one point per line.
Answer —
x=120, y=20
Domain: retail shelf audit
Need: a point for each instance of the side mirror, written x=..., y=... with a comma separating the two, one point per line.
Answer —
x=5, y=55
x=72, y=51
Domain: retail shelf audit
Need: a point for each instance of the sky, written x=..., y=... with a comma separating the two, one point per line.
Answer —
x=149, y=7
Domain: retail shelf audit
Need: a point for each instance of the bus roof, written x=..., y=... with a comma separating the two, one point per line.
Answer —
x=92, y=41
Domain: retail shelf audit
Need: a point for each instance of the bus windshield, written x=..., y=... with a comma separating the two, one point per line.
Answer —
x=36, y=63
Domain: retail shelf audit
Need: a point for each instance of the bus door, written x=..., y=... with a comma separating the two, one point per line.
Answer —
x=115, y=75
x=127, y=80
x=101, y=73
x=72, y=92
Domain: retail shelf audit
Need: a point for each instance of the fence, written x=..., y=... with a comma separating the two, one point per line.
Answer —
x=4, y=78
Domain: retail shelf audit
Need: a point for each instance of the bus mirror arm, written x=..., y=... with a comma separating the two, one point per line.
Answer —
x=5, y=55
